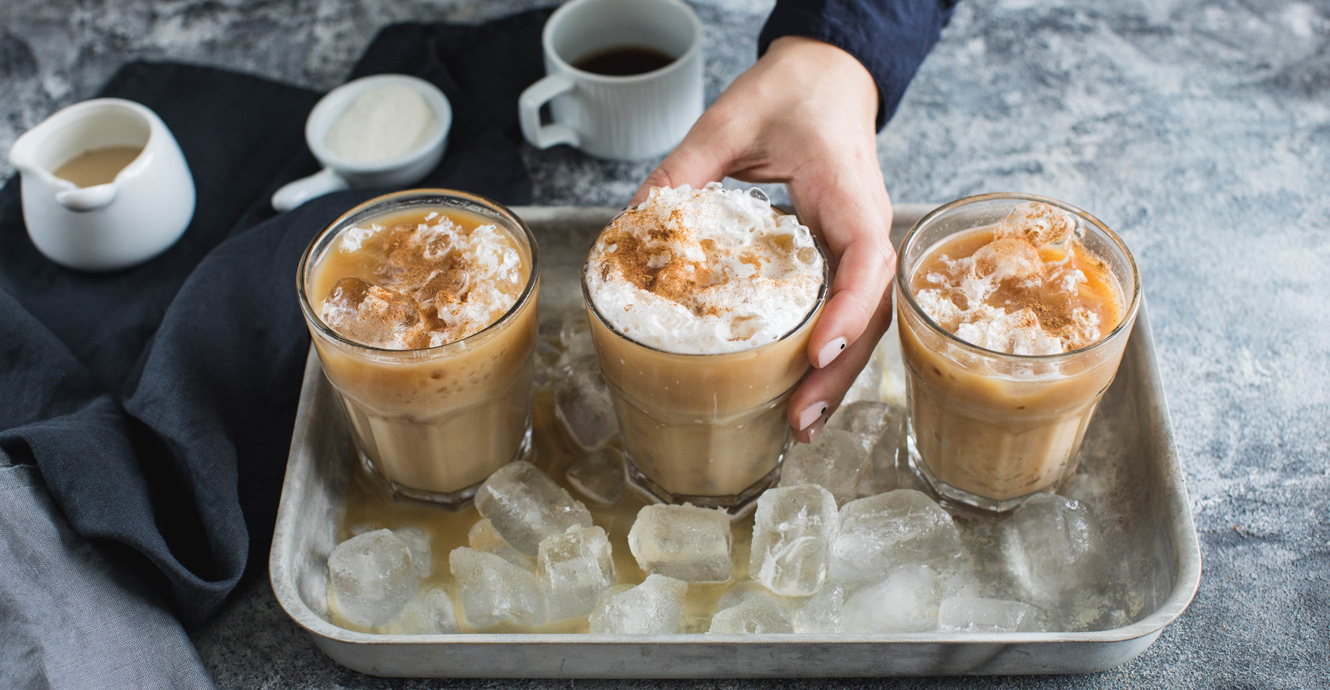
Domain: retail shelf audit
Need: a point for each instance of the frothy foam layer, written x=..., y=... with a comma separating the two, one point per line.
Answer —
x=421, y=282
x=1026, y=286
x=704, y=271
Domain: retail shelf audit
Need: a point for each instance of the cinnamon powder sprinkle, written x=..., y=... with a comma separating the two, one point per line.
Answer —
x=678, y=279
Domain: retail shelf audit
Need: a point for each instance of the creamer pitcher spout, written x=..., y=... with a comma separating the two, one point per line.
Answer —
x=84, y=199
x=23, y=155
x=35, y=154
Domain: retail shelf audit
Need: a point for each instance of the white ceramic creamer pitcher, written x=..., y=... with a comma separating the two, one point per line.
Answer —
x=132, y=218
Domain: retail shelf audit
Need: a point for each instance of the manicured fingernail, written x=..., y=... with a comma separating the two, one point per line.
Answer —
x=814, y=430
x=830, y=352
x=811, y=414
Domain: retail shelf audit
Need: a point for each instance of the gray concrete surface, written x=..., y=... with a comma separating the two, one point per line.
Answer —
x=1199, y=129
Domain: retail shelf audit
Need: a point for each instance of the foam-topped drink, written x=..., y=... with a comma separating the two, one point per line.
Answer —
x=1026, y=286
x=423, y=310
x=1014, y=312
x=704, y=271
x=701, y=304
x=418, y=279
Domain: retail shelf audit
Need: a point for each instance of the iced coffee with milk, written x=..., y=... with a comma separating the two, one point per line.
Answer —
x=1013, y=313
x=701, y=303
x=422, y=307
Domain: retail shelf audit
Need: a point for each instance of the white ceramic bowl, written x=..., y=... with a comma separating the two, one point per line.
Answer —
x=341, y=173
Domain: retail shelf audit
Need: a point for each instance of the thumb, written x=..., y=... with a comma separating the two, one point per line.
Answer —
x=693, y=162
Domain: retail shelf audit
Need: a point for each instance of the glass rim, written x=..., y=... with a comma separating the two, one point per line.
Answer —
x=907, y=296
x=818, y=304
x=341, y=223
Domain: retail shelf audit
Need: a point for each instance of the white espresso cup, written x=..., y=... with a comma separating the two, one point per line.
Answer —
x=617, y=117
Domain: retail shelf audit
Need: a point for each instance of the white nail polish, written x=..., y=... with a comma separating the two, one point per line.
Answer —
x=830, y=352
x=811, y=414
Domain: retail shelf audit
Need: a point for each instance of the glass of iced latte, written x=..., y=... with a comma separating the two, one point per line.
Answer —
x=422, y=307
x=701, y=302
x=1014, y=311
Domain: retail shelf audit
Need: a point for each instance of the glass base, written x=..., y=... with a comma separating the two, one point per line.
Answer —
x=949, y=496
x=737, y=505
x=454, y=501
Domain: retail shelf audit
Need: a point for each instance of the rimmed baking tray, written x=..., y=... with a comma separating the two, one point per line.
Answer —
x=1128, y=454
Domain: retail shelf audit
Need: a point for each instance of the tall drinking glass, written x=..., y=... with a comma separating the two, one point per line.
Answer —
x=433, y=422
x=707, y=429
x=988, y=429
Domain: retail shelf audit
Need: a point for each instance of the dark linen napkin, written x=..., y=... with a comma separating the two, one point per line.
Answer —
x=157, y=402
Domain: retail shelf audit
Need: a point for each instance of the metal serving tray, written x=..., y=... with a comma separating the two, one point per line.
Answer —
x=1129, y=463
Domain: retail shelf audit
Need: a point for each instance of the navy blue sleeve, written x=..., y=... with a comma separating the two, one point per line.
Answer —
x=890, y=37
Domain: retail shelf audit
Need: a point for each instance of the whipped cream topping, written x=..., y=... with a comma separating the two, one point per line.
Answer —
x=1024, y=292
x=423, y=284
x=704, y=271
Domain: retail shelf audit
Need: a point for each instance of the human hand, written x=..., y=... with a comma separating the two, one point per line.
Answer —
x=804, y=115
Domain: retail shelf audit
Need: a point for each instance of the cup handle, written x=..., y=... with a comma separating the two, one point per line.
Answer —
x=293, y=194
x=528, y=108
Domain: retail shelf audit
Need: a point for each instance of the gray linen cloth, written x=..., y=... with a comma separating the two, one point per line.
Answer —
x=69, y=616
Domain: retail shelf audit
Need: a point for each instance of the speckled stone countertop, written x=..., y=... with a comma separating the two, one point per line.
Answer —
x=1199, y=129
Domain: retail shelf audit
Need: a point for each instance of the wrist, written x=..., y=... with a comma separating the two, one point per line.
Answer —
x=810, y=62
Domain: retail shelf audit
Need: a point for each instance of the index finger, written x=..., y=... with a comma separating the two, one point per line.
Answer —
x=859, y=233
x=693, y=162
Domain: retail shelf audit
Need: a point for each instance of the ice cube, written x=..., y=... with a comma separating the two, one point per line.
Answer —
x=868, y=384
x=418, y=541
x=614, y=591
x=882, y=474
x=599, y=476
x=792, y=533
x=583, y=404
x=526, y=506
x=884, y=531
x=980, y=615
x=429, y=613
x=376, y=316
x=835, y=460
x=682, y=541
x=755, y=615
x=1037, y=223
x=905, y=601
x=1053, y=547
x=444, y=288
x=654, y=607
x=820, y=613
x=868, y=420
x=372, y=578
x=744, y=590
x=575, y=336
x=483, y=537
x=544, y=364
x=494, y=590
x=1007, y=260
x=575, y=568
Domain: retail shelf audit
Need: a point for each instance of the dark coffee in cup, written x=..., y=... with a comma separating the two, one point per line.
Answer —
x=623, y=61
